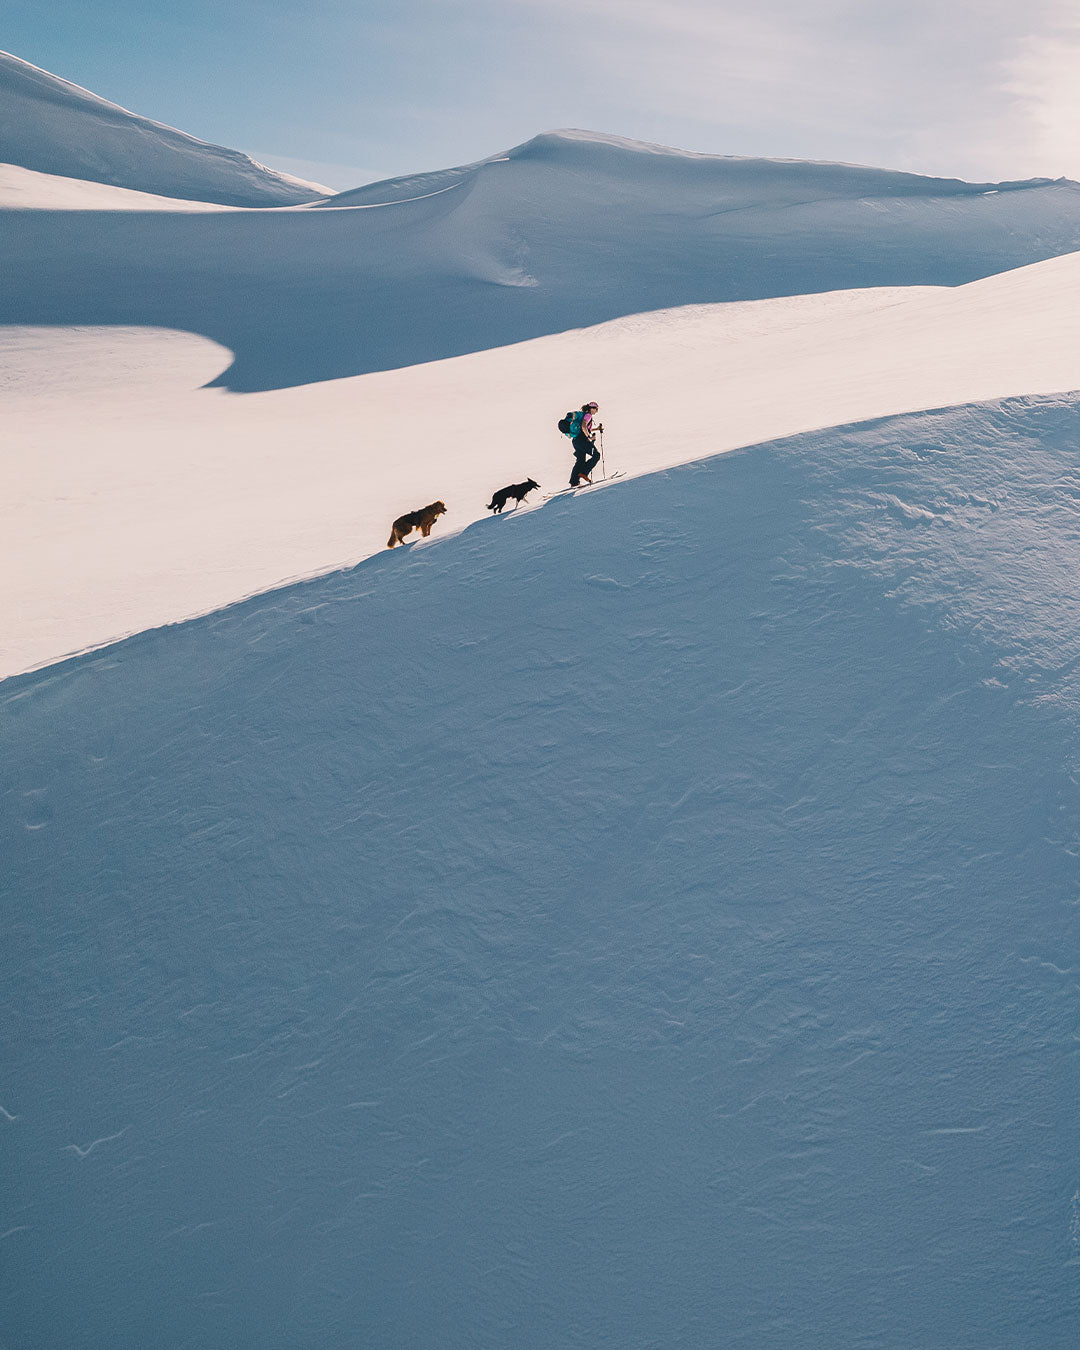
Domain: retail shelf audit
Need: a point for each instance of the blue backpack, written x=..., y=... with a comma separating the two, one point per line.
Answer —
x=570, y=425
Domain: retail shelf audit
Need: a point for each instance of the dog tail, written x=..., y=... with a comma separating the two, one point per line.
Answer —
x=392, y=540
x=491, y=505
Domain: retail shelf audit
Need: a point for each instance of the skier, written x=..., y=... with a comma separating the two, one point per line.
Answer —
x=586, y=455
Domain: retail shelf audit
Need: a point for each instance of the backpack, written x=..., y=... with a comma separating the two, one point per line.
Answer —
x=570, y=425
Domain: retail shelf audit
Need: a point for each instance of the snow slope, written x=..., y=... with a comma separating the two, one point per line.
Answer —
x=646, y=918
x=135, y=497
x=567, y=231
x=29, y=190
x=651, y=920
x=52, y=126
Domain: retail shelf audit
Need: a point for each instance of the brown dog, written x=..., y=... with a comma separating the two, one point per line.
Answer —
x=421, y=520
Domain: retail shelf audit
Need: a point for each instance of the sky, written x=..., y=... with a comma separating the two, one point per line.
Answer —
x=348, y=91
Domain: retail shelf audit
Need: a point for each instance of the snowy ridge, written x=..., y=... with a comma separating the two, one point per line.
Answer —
x=181, y=500
x=458, y=311
x=636, y=922
x=563, y=232
x=52, y=126
x=594, y=165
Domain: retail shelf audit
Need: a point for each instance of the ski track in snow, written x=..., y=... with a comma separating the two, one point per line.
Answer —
x=486, y=957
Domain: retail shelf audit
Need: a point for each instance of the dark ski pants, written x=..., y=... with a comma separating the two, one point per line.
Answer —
x=586, y=458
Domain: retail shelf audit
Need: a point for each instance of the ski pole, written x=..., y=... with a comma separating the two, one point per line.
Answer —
x=603, y=470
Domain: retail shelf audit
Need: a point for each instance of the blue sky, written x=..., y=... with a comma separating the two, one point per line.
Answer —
x=349, y=90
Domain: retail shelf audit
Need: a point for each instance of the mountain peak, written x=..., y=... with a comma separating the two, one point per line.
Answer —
x=54, y=126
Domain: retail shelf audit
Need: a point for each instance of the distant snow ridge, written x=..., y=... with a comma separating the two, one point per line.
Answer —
x=568, y=230
x=592, y=161
x=56, y=127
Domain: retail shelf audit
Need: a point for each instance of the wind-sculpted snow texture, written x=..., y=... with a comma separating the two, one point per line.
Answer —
x=568, y=230
x=55, y=127
x=650, y=920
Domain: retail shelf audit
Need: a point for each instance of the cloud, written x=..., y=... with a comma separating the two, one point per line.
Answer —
x=1044, y=79
x=981, y=88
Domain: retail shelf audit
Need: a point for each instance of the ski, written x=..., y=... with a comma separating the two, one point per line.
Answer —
x=583, y=487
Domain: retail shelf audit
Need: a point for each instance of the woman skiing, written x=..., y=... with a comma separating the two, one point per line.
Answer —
x=586, y=455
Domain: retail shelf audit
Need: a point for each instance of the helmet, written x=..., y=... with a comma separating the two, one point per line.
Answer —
x=590, y=407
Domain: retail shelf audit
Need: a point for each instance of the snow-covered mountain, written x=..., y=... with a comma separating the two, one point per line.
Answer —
x=645, y=918
x=650, y=920
x=55, y=127
x=136, y=496
x=568, y=230
x=209, y=499
x=583, y=169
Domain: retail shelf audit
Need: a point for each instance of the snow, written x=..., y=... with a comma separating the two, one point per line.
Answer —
x=648, y=920
x=583, y=168
x=30, y=190
x=551, y=237
x=648, y=917
x=420, y=344
x=173, y=498
x=52, y=126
